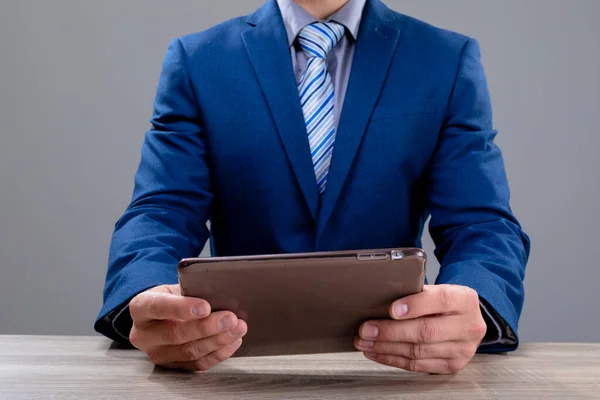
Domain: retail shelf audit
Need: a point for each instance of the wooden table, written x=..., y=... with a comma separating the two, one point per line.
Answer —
x=92, y=368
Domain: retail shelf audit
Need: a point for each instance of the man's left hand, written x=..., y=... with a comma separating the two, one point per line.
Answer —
x=436, y=331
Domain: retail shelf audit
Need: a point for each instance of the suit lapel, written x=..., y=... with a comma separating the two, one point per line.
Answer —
x=267, y=46
x=375, y=47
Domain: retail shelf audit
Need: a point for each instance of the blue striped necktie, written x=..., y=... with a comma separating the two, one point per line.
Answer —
x=317, y=94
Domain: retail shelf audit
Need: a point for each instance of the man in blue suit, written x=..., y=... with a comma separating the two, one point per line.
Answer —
x=316, y=125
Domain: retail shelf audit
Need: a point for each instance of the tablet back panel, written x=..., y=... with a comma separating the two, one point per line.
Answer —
x=304, y=303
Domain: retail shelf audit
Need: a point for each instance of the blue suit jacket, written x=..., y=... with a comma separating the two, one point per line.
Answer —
x=228, y=143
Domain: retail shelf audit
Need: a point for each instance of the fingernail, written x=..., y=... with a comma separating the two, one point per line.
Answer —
x=226, y=323
x=371, y=356
x=399, y=310
x=200, y=310
x=365, y=344
x=369, y=332
x=237, y=331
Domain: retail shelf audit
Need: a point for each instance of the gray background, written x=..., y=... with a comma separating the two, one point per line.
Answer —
x=76, y=88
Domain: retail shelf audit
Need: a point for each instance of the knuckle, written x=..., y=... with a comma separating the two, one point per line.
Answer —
x=386, y=359
x=453, y=366
x=221, y=356
x=378, y=346
x=134, y=306
x=190, y=352
x=200, y=365
x=416, y=351
x=205, y=327
x=464, y=351
x=171, y=332
x=152, y=304
x=153, y=356
x=412, y=365
x=135, y=337
x=235, y=346
x=427, y=331
x=472, y=293
x=222, y=340
x=446, y=298
x=472, y=297
x=478, y=329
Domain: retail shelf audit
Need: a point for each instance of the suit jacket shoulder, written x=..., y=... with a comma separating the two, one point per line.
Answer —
x=432, y=41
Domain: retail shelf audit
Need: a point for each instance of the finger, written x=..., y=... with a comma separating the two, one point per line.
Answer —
x=429, y=365
x=210, y=360
x=437, y=299
x=179, y=332
x=195, y=350
x=415, y=351
x=158, y=305
x=425, y=329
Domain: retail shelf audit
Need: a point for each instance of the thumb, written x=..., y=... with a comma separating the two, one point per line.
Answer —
x=159, y=303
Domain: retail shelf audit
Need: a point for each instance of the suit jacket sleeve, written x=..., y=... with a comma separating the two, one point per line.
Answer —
x=166, y=220
x=478, y=240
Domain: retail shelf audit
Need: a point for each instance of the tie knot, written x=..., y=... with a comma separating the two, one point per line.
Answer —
x=318, y=38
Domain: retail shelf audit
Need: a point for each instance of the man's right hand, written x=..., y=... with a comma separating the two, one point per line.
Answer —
x=181, y=332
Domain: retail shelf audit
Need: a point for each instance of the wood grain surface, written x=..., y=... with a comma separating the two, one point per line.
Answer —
x=84, y=368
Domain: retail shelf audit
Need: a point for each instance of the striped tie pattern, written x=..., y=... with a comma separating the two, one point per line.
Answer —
x=317, y=94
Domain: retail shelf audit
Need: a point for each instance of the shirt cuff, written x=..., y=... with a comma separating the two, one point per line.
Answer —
x=498, y=331
x=121, y=321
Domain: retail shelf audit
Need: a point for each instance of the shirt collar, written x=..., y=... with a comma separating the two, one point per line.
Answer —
x=295, y=17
